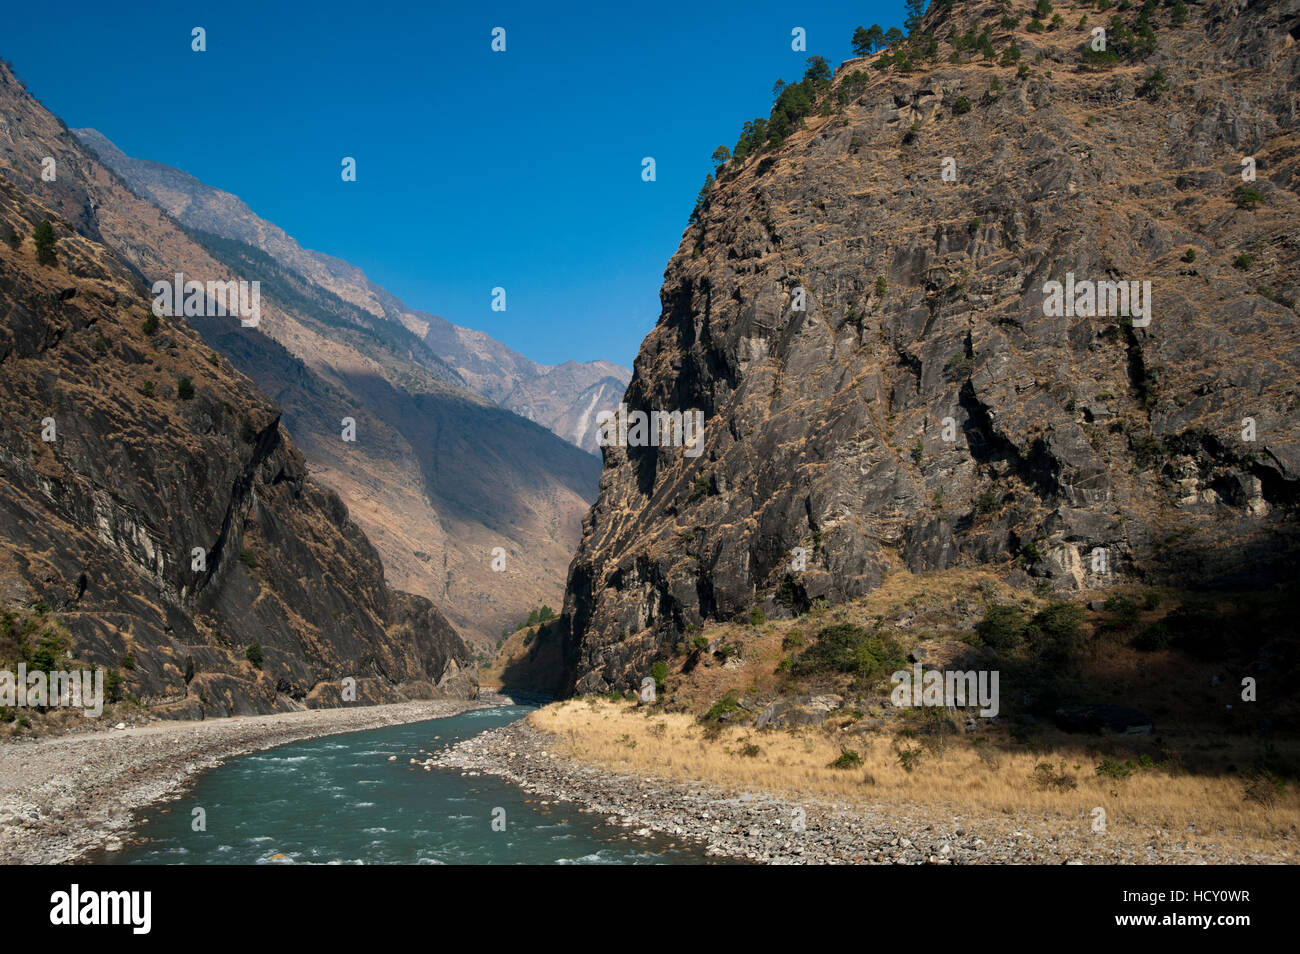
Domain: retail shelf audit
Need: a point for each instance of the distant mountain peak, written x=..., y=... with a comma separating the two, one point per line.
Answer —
x=551, y=394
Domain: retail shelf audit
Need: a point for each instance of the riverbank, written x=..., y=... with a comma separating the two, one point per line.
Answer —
x=63, y=796
x=767, y=826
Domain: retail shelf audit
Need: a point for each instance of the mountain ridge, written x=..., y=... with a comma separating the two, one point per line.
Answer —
x=436, y=475
x=483, y=364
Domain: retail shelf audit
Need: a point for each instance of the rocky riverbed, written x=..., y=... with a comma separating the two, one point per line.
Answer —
x=776, y=829
x=63, y=796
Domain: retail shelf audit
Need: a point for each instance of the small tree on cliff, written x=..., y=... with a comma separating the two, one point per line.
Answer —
x=43, y=238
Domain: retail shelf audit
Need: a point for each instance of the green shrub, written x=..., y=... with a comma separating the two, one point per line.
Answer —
x=1054, y=632
x=112, y=686
x=48, y=655
x=847, y=648
x=1246, y=197
x=44, y=240
x=659, y=672
x=1003, y=627
x=1114, y=769
x=184, y=388
x=787, y=594
x=961, y=106
x=723, y=707
x=254, y=655
x=150, y=325
x=1154, y=636
x=1154, y=86
x=909, y=757
x=1263, y=788
x=1121, y=610
x=847, y=759
x=248, y=558
x=986, y=502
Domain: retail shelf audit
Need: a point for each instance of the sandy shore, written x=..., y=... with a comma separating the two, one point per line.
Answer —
x=774, y=829
x=63, y=796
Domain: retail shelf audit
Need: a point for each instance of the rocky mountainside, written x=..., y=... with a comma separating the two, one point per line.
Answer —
x=151, y=503
x=931, y=406
x=437, y=476
x=555, y=396
x=598, y=386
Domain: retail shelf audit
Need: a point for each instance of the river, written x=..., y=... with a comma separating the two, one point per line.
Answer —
x=340, y=800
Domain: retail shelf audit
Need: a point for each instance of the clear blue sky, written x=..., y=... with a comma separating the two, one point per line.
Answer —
x=475, y=169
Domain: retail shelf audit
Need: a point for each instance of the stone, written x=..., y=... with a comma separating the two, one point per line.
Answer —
x=1104, y=716
x=799, y=710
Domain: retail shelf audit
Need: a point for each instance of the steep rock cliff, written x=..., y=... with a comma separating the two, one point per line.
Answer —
x=923, y=411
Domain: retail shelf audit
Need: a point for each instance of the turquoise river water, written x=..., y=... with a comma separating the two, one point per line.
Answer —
x=339, y=800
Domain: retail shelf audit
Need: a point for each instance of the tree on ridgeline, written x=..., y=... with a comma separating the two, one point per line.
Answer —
x=915, y=10
x=819, y=71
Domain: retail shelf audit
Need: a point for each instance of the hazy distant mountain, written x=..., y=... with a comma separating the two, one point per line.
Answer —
x=438, y=476
x=556, y=397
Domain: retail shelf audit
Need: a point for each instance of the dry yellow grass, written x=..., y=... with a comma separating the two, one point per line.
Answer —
x=974, y=779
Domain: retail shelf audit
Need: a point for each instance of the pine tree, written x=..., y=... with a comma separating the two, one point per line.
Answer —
x=915, y=10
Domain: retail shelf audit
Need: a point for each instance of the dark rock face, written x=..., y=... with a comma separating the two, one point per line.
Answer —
x=925, y=410
x=180, y=531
